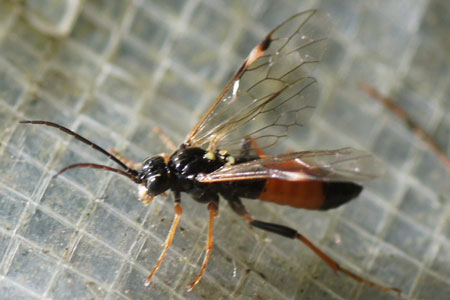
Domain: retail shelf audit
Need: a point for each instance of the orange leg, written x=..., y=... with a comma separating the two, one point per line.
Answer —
x=125, y=160
x=165, y=139
x=416, y=129
x=213, y=212
x=169, y=239
x=337, y=268
x=238, y=207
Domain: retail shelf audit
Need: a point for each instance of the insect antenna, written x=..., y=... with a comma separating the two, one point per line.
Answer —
x=97, y=166
x=131, y=173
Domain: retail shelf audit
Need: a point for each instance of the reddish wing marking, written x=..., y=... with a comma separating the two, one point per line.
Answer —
x=346, y=164
x=271, y=92
x=254, y=145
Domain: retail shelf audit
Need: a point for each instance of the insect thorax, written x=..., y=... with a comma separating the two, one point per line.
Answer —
x=186, y=163
x=190, y=162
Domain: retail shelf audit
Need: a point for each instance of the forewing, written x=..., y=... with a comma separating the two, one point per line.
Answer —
x=272, y=92
x=346, y=164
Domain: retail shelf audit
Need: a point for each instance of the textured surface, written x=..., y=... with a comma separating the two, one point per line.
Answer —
x=127, y=66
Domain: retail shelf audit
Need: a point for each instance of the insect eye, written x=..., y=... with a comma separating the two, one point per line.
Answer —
x=157, y=184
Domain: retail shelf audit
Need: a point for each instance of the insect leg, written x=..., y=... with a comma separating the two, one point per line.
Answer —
x=248, y=144
x=169, y=239
x=409, y=122
x=239, y=208
x=165, y=139
x=125, y=160
x=213, y=212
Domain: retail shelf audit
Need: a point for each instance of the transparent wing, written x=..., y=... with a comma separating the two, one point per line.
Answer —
x=272, y=92
x=346, y=164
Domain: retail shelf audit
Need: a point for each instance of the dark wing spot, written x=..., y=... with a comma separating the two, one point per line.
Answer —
x=266, y=43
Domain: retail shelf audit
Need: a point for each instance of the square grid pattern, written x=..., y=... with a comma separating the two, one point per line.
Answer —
x=126, y=66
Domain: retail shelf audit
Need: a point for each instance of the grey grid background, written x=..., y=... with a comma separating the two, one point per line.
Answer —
x=113, y=70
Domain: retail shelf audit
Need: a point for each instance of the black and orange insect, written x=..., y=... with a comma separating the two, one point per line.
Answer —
x=271, y=94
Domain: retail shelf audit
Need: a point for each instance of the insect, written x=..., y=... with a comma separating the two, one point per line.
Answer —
x=271, y=94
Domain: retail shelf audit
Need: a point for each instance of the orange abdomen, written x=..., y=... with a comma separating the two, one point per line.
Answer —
x=309, y=194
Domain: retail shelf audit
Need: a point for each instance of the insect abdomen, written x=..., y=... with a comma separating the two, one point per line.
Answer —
x=338, y=193
x=310, y=194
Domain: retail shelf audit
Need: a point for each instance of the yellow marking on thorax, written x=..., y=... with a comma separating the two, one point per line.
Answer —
x=210, y=155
